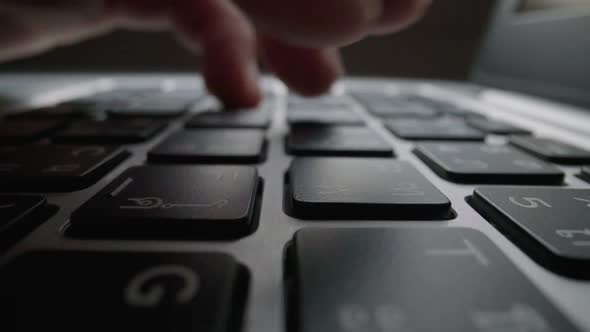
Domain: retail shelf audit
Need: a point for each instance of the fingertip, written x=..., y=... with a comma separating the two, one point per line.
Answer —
x=307, y=71
x=236, y=88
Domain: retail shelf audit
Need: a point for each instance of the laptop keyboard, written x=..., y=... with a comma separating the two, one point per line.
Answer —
x=154, y=210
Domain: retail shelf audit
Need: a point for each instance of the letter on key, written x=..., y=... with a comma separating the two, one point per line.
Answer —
x=549, y=224
x=412, y=280
x=173, y=202
x=75, y=291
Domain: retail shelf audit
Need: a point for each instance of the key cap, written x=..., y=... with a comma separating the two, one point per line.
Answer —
x=373, y=189
x=549, y=224
x=439, y=129
x=55, y=168
x=397, y=106
x=420, y=280
x=110, y=132
x=123, y=291
x=178, y=202
x=401, y=110
x=19, y=214
x=487, y=164
x=24, y=131
x=159, y=107
x=586, y=173
x=211, y=146
x=336, y=117
x=336, y=141
x=551, y=150
x=61, y=112
x=325, y=102
x=231, y=119
x=497, y=127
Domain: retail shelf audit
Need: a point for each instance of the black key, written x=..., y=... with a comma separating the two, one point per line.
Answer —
x=439, y=129
x=23, y=131
x=326, y=102
x=19, y=215
x=497, y=127
x=150, y=107
x=552, y=150
x=61, y=112
x=231, y=119
x=211, y=146
x=397, y=106
x=322, y=140
x=481, y=163
x=173, y=202
x=364, y=189
x=110, y=132
x=419, y=280
x=123, y=291
x=57, y=167
x=549, y=224
x=336, y=117
x=401, y=110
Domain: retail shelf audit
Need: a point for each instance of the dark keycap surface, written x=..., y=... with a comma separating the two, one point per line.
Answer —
x=322, y=103
x=550, y=224
x=336, y=141
x=23, y=131
x=61, y=112
x=211, y=146
x=19, y=214
x=111, y=131
x=585, y=173
x=116, y=291
x=401, y=110
x=231, y=119
x=421, y=280
x=173, y=202
x=335, y=117
x=149, y=107
x=447, y=129
x=364, y=189
x=552, y=150
x=57, y=167
x=482, y=163
x=497, y=127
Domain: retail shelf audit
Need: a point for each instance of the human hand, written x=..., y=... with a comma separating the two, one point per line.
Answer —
x=296, y=39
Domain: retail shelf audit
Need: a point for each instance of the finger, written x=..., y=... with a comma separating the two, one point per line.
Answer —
x=308, y=71
x=313, y=23
x=400, y=14
x=228, y=44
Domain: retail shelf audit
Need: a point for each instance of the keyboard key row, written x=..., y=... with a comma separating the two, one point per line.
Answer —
x=20, y=131
x=336, y=280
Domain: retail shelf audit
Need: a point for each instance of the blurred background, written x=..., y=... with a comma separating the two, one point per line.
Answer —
x=443, y=45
